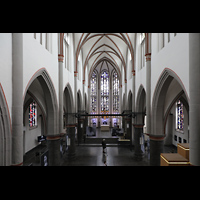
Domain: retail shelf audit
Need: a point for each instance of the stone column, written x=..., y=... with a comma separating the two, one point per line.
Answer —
x=17, y=99
x=148, y=92
x=128, y=124
x=133, y=107
x=75, y=94
x=60, y=81
x=111, y=102
x=138, y=131
x=156, y=148
x=194, y=104
x=53, y=144
x=80, y=130
x=71, y=128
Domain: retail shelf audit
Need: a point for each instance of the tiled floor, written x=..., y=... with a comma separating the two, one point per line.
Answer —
x=93, y=156
x=89, y=154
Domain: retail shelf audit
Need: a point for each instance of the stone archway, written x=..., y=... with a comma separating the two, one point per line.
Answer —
x=41, y=89
x=168, y=87
x=5, y=131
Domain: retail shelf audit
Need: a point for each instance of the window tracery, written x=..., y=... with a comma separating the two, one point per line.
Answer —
x=93, y=94
x=115, y=93
x=32, y=115
x=105, y=92
x=179, y=116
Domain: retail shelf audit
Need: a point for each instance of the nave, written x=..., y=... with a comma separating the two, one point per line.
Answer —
x=143, y=85
x=90, y=154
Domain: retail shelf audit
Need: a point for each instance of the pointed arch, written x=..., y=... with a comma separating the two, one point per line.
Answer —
x=85, y=37
x=130, y=100
x=141, y=103
x=5, y=130
x=50, y=97
x=79, y=100
x=69, y=101
x=159, y=116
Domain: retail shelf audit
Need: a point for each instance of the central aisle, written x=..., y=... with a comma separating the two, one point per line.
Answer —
x=93, y=156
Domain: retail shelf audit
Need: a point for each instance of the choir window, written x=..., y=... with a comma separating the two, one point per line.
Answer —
x=32, y=115
x=93, y=93
x=115, y=93
x=104, y=92
x=179, y=116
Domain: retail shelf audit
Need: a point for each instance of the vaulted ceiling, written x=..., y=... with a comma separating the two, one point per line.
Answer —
x=100, y=48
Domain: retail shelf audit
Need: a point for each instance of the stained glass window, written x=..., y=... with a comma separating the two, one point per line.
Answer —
x=115, y=93
x=179, y=116
x=32, y=115
x=105, y=92
x=93, y=93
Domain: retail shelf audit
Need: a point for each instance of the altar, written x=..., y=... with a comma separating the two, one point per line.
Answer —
x=104, y=127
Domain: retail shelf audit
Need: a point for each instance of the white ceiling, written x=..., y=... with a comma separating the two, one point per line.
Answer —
x=104, y=48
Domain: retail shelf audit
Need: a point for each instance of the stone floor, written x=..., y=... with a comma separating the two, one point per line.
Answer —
x=93, y=156
x=116, y=156
x=88, y=154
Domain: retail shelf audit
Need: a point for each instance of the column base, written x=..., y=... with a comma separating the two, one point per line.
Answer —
x=156, y=148
x=138, y=155
x=53, y=144
x=71, y=153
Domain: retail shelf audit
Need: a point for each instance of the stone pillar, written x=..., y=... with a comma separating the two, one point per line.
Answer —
x=17, y=99
x=80, y=130
x=111, y=102
x=128, y=127
x=126, y=101
x=133, y=107
x=120, y=105
x=75, y=95
x=71, y=128
x=194, y=104
x=156, y=148
x=138, y=131
x=60, y=81
x=148, y=92
x=53, y=144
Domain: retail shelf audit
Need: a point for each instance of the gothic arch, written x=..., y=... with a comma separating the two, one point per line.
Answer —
x=159, y=115
x=129, y=101
x=48, y=102
x=5, y=131
x=68, y=102
x=79, y=100
x=141, y=104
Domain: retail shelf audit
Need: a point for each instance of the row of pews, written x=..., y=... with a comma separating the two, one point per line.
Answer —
x=176, y=159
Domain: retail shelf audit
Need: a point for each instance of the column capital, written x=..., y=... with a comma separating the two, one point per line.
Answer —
x=75, y=73
x=148, y=57
x=156, y=137
x=53, y=137
x=60, y=58
x=138, y=125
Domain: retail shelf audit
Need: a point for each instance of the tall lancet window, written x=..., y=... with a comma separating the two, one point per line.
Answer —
x=115, y=93
x=104, y=92
x=93, y=93
x=32, y=115
x=179, y=116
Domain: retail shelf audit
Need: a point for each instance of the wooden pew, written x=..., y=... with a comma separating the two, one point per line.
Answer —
x=173, y=159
